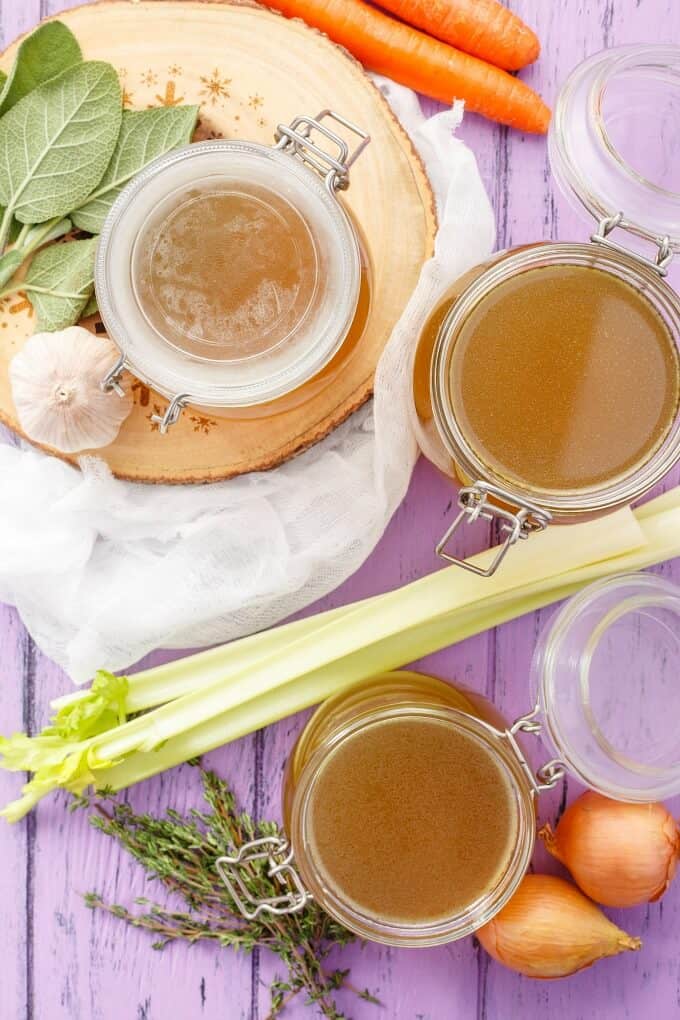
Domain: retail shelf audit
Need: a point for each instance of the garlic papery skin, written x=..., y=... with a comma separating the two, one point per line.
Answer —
x=550, y=930
x=619, y=854
x=55, y=381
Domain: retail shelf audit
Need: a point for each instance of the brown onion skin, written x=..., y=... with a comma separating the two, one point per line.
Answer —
x=619, y=854
x=549, y=929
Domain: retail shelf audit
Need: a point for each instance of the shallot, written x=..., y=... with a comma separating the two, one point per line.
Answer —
x=619, y=854
x=549, y=930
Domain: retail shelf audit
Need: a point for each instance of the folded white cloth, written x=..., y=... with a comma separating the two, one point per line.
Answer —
x=102, y=571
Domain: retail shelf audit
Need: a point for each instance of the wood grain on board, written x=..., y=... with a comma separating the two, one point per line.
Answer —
x=59, y=962
x=167, y=52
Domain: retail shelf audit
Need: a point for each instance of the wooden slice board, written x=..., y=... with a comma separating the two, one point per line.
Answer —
x=250, y=69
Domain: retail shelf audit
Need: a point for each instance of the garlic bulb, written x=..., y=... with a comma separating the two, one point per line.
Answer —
x=55, y=386
x=620, y=854
x=549, y=930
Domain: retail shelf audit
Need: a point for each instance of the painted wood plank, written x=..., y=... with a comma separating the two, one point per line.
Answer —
x=627, y=987
x=16, y=861
x=90, y=966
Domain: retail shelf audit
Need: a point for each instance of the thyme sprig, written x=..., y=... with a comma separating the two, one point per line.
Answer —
x=180, y=852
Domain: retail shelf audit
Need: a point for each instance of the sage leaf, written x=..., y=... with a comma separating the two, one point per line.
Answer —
x=56, y=143
x=15, y=228
x=44, y=54
x=144, y=135
x=59, y=283
x=9, y=263
x=91, y=308
x=43, y=233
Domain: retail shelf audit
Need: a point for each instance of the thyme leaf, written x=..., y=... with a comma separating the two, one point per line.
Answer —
x=179, y=851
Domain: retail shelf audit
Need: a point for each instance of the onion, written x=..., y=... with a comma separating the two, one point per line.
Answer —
x=549, y=930
x=619, y=854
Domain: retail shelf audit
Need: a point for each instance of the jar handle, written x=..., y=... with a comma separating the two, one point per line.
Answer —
x=664, y=255
x=547, y=776
x=233, y=870
x=172, y=413
x=296, y=138
x=111, y=381
x=518, y=520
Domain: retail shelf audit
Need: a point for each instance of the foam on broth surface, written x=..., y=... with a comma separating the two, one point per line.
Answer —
x=234, y=268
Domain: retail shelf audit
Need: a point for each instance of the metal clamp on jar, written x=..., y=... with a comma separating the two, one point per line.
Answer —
x=268, y=303
x=537, y=368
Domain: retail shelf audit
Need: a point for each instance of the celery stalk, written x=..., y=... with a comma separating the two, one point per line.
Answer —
x=393, y=616
x=252, y=682
x=160, y=684
x=662, y=542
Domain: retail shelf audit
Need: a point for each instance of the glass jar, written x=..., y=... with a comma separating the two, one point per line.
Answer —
x=486, y=377
x=605, y=674
x=410, y=810
x=229, y=274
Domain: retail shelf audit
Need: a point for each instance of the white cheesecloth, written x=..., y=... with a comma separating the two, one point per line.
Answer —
x=102, y=571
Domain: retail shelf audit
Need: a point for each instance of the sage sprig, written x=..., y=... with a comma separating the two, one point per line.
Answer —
x=59, y=282
x=144, y=135
x=56, y=143
x=44, y=54
x=67, y=149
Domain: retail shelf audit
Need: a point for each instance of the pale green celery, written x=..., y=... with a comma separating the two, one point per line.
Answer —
x=391, y=616
x=662, y=542
x=73, y=773
x=303, y=692
x=667, y=501
x=155, y=686
x=71, y=731
x=160, y=684
x=381, y=633
x=81, y=718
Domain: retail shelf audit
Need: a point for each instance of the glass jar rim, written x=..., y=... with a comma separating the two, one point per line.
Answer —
x=587, y=161
x=476, y=914
x=564, y=671
x=562, y=505
x=172, y=372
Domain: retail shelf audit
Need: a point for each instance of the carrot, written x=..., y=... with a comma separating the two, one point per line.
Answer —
x=484, y=28
x=424, y=64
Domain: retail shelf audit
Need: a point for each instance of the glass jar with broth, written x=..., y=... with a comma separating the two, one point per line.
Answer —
x=547, y=381
x=230, y=275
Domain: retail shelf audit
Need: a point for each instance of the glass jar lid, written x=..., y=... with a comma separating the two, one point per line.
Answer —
x=228, y=273
x=613, y=140
x=606, y=674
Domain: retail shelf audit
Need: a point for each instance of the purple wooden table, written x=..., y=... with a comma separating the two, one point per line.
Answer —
x=61, y=962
